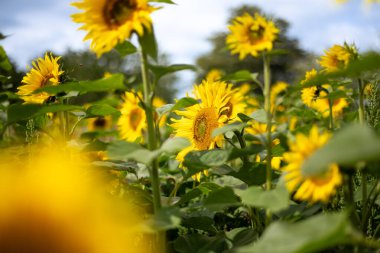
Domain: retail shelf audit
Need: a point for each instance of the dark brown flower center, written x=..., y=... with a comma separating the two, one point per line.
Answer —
x=116, y=12
x=135, y=118
x=100, y=122
x=257, y=34
x=200, y=128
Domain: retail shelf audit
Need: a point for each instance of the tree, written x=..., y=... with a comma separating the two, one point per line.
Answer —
x=284, y=67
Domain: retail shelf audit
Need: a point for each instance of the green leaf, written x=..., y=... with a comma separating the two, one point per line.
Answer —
x=242, y=236
x=236, y=126
x=349, y=146
x=241, y=76
x=259, y=115
x=149, y=44
x=274, y=200
x=204, y=223
x=183, y=103
x=312, y=235
x=160, y=71
x=20, y=112
x=203, y=188
x=221, y=198
x=174, y=145
x=125, y=48
x=197, y=243
x=122, y=150
x=164, y=219
x=251, y=173
x=101, y=110
x=206, y=158
x=4, y=61
x=114, y=82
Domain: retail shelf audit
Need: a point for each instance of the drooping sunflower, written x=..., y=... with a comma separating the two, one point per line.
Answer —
x=251, y=35
x=109, y=22
x=46, y=71
x=337, y=57
x=309, y=188
x=132, y=120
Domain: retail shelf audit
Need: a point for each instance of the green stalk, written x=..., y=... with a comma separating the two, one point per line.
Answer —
x=152, y=141
x=331, y=114
x=269, y=128
x=242, y=144
x=361, y=102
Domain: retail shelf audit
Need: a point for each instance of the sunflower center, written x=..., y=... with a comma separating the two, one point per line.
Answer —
x=205, y=121
x=100, y=122
x=116, y=12
x=135, y=118
x=228, y=109
x=256, y=34
x=46, y=80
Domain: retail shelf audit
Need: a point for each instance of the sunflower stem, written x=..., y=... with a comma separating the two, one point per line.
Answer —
x=361, y=102
x=331, y=114
x=242, y=143
x=267, y=108
x=152, y=142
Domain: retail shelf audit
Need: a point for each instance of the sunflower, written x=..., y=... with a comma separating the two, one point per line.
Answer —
x=231, y=99
x=46, y=71
x=251, y=35
x=309, y=188
x=337, y=57
x=40, y=213
x=132, y=120
x=109, y=22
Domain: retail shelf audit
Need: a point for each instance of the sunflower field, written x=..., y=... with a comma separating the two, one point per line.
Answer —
x=247, y=161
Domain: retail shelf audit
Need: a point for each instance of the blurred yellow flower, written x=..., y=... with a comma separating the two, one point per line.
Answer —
x=46, y=71
x=132, y=121
x=109, y=22
x=214, y=75
x=251, y=35
x=52, y=201
x=309, y=188
x=337, y=57
x=276, y=90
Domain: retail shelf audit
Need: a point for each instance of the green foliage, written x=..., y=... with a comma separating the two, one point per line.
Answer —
x=126, y=48
x=312, y=235
x=349, y=146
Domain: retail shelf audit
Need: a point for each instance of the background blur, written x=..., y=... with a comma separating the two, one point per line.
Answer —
x=187, y=32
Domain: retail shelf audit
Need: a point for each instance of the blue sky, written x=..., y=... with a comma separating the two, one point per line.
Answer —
x=182, y=30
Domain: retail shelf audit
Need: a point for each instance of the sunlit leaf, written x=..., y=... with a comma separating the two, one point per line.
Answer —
x=184, y=102
x=236, y=126
x=164, y=219
x=4, y=61
x=241, y=76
